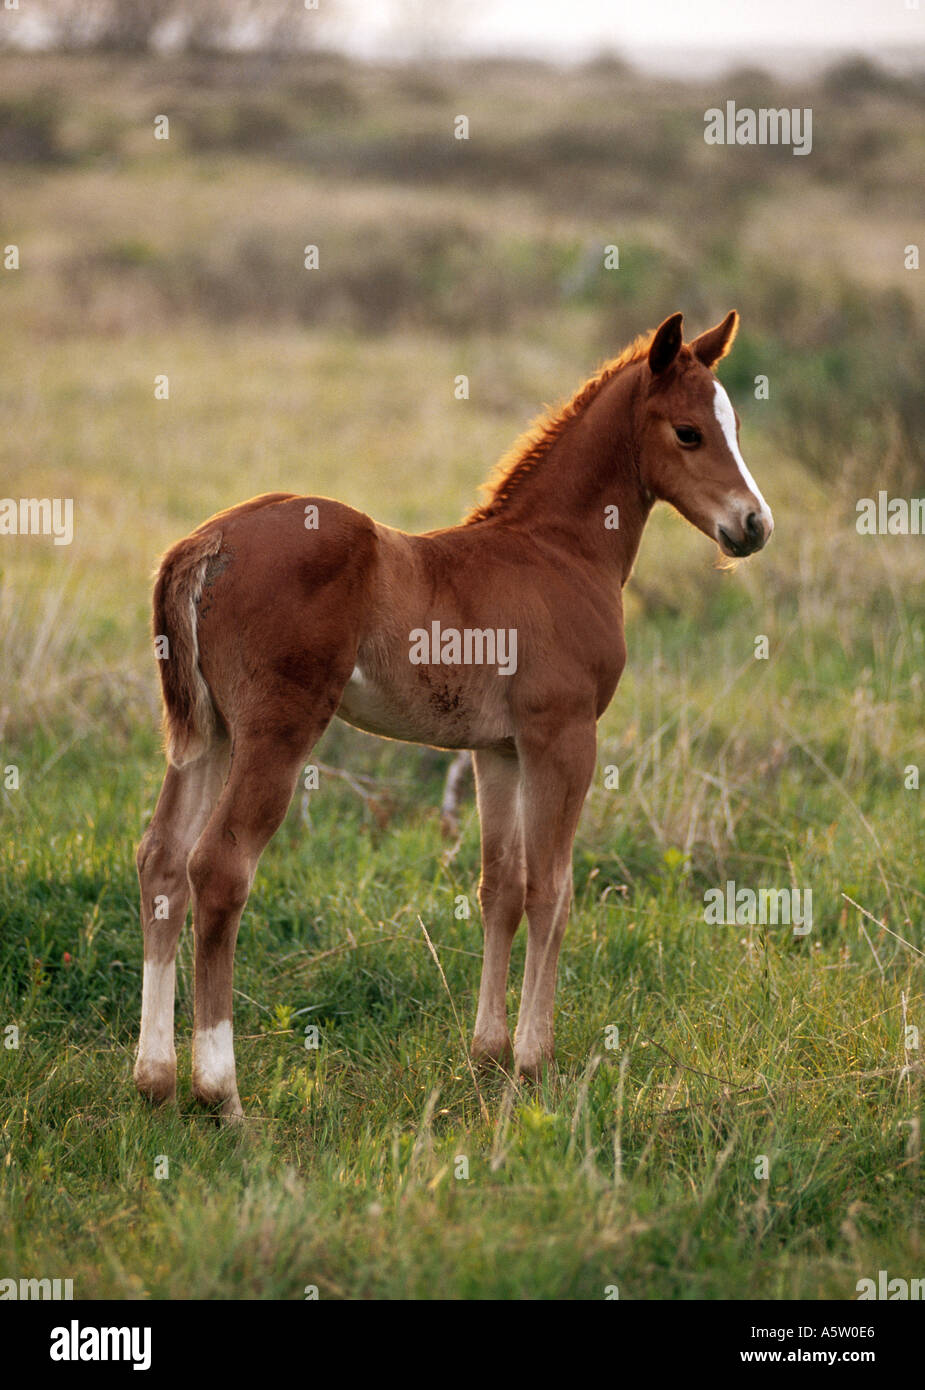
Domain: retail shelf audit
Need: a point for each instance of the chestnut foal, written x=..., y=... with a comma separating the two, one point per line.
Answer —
x=503, y=635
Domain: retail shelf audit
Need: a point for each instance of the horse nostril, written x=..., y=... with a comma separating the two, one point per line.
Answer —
x=754, y=527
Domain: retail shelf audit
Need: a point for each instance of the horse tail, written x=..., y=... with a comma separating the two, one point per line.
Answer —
x=190, y=716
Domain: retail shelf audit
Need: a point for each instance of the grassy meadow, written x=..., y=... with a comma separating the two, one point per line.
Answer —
x=635, y=1166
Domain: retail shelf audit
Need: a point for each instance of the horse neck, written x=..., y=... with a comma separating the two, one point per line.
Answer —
x=591, y=467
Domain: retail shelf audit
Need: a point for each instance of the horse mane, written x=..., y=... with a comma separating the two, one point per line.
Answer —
x=535, y=443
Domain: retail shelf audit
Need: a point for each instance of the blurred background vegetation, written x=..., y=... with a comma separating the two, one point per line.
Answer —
x=437, y=256
x=142, y=256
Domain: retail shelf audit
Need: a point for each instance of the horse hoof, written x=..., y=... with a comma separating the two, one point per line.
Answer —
x=156, y=1082
x=533, y=1068
x=489, y=1052
x=232, y=1111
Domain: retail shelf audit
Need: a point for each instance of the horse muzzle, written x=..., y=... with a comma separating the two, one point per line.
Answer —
x=751, y=535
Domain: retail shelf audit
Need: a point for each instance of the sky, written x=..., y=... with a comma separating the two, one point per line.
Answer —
x=700, y=37
x=573, y=29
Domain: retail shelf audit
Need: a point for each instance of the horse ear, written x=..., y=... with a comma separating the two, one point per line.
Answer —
x=716, y=342
x=666, y=344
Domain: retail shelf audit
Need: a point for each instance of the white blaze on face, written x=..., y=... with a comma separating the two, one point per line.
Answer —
x=722, y=409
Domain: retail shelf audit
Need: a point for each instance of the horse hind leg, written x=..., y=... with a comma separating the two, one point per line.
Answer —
x=185, y=803
x=221, y=870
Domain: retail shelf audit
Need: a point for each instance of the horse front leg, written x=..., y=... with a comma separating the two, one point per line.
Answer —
x=557, y=771
x=502, y=893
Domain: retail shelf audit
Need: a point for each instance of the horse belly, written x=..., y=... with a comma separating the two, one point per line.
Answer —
x=443, y=718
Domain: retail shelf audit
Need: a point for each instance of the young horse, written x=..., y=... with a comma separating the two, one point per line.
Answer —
x=503, y=635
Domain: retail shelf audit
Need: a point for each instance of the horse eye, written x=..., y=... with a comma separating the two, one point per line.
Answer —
x=688, y=436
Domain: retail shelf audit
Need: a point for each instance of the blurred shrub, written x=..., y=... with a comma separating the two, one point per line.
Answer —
x=858, y=76
x=30, y=129
x=199, y=26
x=245, y=126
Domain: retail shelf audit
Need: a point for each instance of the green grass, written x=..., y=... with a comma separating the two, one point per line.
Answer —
x=634, y=1166
x=735, y=1042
